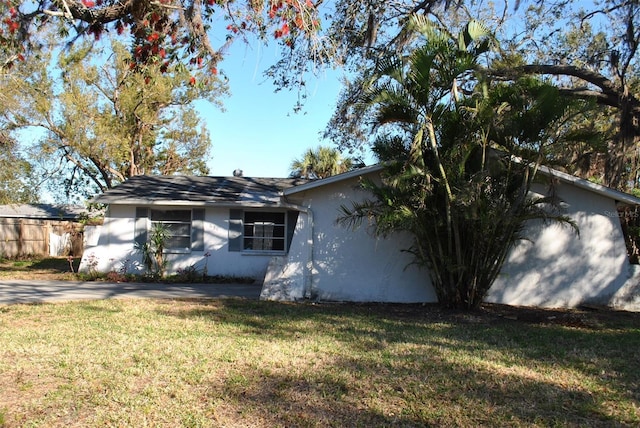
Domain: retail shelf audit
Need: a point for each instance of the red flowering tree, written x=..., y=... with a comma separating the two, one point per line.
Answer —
x=164, y=31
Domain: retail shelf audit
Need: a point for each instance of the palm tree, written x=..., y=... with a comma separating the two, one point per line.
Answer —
x=321, y=162
x=447, y=139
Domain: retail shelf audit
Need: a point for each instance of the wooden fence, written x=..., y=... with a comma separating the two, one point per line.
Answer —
x=42, y=238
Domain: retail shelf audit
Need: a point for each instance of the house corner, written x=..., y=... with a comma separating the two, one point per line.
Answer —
x=283, y=281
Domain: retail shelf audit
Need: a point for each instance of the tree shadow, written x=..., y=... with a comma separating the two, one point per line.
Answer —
x=57, y=264
x=419, y=365
x=51, y=264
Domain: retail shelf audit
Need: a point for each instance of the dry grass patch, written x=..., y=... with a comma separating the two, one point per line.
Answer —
x=236, y=363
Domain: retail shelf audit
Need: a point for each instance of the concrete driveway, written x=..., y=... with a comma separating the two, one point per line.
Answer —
x=27, y=291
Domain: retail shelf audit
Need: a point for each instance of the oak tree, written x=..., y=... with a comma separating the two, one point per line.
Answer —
x=100, y=124
x=164, y=30
x=588, y=49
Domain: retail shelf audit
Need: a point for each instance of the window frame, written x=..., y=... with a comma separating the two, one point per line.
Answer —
x=145, y=221
x=237, y=232
x=249, y=241
x=169, y=223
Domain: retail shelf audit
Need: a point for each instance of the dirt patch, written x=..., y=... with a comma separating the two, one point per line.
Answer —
x=583, y=317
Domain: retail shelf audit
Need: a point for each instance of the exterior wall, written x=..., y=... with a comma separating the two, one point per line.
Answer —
x=346, y=265
x=557, y=268
x=115, y=249
x=326, y=261
x=288, y=277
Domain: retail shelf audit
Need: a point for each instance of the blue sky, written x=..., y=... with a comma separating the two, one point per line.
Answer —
x=259, y=132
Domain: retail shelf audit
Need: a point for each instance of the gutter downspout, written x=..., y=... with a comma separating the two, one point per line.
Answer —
x=307, y=272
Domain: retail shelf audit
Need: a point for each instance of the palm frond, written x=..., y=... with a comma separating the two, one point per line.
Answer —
x=427, y=28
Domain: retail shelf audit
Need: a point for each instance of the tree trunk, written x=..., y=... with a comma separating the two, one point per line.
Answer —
x=618, y=151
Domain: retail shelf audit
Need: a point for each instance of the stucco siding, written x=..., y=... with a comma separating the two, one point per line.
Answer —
x=116, y=249
x=288, y=277
x=558, y=268
x=555, y=268
x=353, y=265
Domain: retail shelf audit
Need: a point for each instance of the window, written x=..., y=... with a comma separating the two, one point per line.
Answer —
x=261, y=231
x=178, y=222
x=186, y=227
x=264, y=231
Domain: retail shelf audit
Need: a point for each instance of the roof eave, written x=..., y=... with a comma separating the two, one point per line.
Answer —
x=333, y=179
x=599, y=189
x=618, y=196
x=182, y=203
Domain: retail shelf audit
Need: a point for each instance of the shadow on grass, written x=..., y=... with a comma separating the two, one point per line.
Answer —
x=51, y=264
x=411, y=365
x=440, y=393
x=311, y=400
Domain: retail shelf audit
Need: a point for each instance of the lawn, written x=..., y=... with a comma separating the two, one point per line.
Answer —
x=239, y=363
x=66, y=269
x=55, y=268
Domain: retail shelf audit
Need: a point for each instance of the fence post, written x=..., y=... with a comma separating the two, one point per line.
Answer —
x=20, y=236
x=47, y=232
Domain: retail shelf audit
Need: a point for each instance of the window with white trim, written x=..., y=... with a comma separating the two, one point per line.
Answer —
x=178, y=223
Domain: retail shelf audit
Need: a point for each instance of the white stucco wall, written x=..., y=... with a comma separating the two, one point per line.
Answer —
x=556, y=268
x=115, y=244
x=116, y=247
x=559, y=269
x=91, y=235
x=347, y=265
x=288, y=277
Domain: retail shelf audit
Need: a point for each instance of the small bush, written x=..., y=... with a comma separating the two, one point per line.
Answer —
x=189, y=274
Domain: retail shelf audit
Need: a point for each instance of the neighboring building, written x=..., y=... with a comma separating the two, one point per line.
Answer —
x=41, y=230
x=283, y=232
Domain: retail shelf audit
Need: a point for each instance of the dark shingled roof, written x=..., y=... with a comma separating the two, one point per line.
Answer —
x=196, y=190
x=42, y=211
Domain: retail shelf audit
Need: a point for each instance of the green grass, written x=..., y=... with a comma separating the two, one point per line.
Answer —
x=39, y=268
x=59, y=268
x=264, y=364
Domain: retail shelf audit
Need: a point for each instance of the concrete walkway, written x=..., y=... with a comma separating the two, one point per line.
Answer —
x=27, y=291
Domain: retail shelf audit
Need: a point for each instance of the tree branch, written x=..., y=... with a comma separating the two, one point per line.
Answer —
x=66, y=154
x=102, y=15
x=597, y=79
x=611, y=94
x=585, y=93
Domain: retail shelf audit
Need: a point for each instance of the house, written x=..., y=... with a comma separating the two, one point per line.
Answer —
x=241, y=222
x=283, y=232
x=41, y=230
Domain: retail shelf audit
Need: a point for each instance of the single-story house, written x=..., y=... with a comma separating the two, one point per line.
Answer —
x=283, y=232
x=41, y=230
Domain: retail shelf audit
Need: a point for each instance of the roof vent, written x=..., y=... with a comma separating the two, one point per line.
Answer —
x=237, y=173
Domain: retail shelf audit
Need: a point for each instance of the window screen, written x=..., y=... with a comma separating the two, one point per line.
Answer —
x=179, y=224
